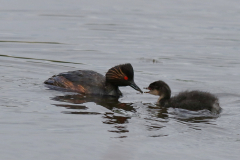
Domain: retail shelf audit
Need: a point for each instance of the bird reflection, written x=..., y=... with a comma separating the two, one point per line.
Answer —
x=163, y=114
x=108, y=102
x=190, y=117
x=118, y=114
x=77, y=103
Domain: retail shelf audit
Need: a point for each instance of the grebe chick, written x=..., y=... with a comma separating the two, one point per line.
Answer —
x=191, y=100
x=91, y=82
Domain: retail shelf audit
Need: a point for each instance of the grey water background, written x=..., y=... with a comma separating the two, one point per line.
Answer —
x=188, y=44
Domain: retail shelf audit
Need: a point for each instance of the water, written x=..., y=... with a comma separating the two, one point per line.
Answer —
x=190, y=45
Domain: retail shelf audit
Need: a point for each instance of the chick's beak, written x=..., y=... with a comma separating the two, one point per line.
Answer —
x=147, y=89
x=134, y=86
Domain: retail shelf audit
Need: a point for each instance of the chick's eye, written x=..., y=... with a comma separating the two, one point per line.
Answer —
x=126, y=78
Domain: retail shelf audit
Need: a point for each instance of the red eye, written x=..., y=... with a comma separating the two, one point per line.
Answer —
x=126, y=78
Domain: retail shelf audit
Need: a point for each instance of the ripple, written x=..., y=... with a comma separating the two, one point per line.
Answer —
x=2, y=55
x=30, y=42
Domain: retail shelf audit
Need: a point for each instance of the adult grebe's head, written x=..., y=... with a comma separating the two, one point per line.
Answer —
x=122, y=75
x=159, y=88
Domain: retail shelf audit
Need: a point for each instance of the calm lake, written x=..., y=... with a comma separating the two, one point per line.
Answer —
x=191, y=45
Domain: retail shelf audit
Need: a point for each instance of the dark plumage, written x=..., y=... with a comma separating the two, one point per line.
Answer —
x=91, y=82
x=191, y=100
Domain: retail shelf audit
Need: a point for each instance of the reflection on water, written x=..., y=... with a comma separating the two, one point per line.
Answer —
x=108, y=102
x=164, y=114
x=158, y=111
x=119, y=116
x=68, y=106
x=202, y=116
x=112, y=119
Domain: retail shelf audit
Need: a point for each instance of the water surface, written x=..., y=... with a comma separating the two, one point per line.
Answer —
x=189, y=45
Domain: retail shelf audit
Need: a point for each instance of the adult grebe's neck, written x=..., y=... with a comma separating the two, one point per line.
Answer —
x=112, y=89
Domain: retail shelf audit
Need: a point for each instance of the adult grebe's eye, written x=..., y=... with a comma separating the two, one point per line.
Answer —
x=126, y=78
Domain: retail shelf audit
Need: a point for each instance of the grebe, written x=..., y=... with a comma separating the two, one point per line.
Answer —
x=191, y=100
x=91, y=82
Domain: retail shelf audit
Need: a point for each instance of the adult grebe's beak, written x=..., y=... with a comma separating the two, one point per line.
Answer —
x=134, y=86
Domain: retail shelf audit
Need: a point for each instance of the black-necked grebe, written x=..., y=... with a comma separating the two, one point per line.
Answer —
x=91, y=82
x=191, y=100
